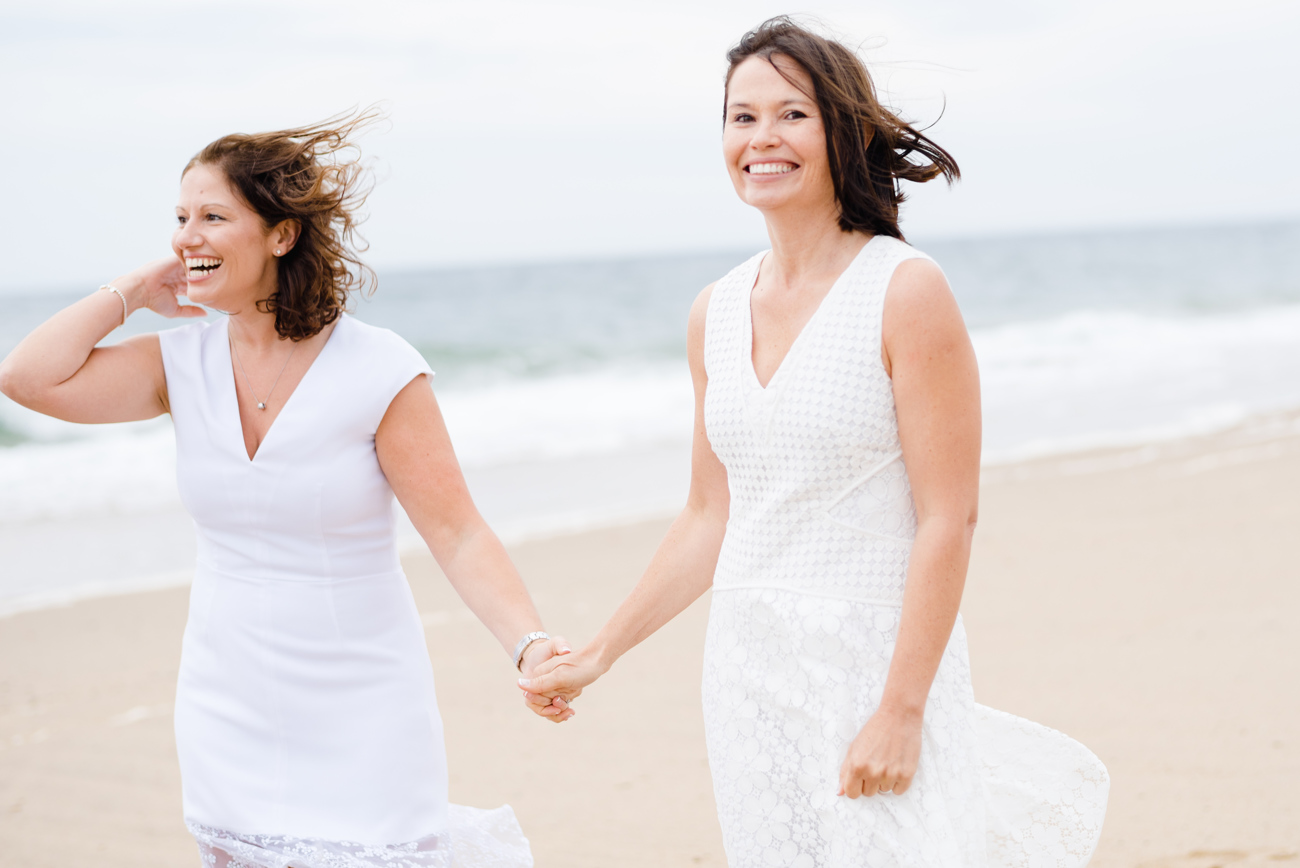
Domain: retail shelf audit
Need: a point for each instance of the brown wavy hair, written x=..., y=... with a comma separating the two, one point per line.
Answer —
x=869, y=148
x=314, y=176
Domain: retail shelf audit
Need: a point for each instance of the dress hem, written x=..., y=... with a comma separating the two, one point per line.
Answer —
x=476, y=838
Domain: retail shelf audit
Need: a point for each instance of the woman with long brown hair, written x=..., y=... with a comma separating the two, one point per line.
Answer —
x=835, y=481
x=306, y=722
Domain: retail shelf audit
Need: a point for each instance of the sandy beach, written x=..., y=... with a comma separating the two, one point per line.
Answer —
x=1136, y=599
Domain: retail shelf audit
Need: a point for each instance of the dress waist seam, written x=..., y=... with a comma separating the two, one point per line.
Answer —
x=207, y=569
x=812, y=592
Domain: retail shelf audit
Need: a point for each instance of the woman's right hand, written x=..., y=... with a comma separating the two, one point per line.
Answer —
x=563, y=676
x=158, y=286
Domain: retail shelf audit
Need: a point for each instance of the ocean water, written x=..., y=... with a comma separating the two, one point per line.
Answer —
x=566, y=391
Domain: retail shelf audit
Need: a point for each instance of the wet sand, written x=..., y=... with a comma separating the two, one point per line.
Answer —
x=1140, y=600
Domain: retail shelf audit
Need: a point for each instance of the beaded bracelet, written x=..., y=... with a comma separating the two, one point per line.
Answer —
x=125, y=310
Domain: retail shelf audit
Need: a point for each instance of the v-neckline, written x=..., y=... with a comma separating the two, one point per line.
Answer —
x=798, y=339
x=275, y=423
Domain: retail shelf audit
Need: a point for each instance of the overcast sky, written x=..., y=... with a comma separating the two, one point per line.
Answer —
x=523, y=131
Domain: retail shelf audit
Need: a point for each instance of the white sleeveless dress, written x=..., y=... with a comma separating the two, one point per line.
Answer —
x=805, y=613
x=306, y=723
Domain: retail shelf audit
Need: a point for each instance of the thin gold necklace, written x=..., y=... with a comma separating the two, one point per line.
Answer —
x=261, y=405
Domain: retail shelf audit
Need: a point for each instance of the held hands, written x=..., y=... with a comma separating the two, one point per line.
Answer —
x=557, y=681
x=538, y=656
x=883, y=756
x=157, y=286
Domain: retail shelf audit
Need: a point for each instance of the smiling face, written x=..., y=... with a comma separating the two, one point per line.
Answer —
x=773, y=140
x=228, y=252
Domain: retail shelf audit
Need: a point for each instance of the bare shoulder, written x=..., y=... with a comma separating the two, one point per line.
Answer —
x=917, y=285
x=695, y=336
x=919, y=296
x=699, y=313
x=700, y=307
x=921, y=315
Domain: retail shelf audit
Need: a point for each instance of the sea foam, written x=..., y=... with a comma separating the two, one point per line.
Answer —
x=1083, y=380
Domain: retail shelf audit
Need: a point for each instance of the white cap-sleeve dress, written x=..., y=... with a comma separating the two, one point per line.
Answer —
x=306, y=723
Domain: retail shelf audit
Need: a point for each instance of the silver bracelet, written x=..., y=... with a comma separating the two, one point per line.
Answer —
x=125, y=310
x=523, y=646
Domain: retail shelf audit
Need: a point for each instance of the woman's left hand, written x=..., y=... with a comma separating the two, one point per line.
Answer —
x=883, y=756
x=534, y=656
x=560, y=680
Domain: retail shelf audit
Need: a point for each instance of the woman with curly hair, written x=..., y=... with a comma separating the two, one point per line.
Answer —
x=833, y=499
x=306, y=723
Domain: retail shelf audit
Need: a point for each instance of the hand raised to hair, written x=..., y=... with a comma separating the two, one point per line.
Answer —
x=560, y=680
x=540, y=655
x=158, y=286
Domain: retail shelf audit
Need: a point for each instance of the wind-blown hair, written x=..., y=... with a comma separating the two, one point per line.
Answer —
x=869, y=148
x=311, y=175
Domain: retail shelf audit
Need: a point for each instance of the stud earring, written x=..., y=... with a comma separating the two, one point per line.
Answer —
x=277, y=251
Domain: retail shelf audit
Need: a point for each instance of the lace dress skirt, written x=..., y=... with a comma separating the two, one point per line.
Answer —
x=789, y=680
x=477, y=839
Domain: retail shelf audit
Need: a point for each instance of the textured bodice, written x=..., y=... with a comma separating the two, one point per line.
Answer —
x=820, y=499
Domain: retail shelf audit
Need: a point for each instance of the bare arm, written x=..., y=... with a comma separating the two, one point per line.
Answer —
x=58, y=370
x=416, y=455
x=936, y=392
x=681, y=569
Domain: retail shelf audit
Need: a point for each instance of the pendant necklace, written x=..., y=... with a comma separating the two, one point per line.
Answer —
x=261, y=405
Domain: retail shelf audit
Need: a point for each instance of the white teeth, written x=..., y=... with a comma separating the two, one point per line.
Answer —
x=201, y=262
x=770, y=168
